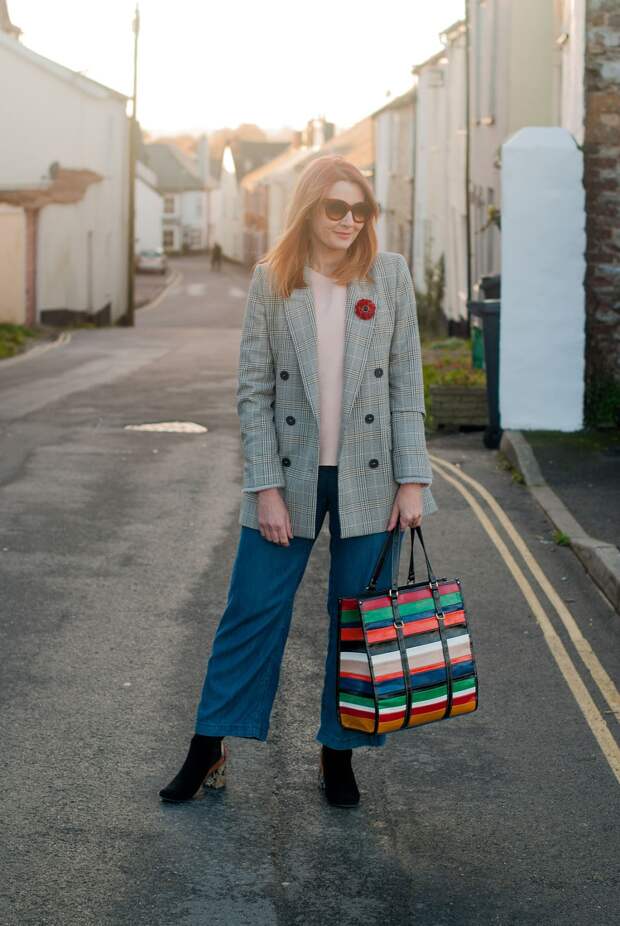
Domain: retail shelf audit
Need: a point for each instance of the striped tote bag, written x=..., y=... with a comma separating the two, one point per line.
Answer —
x=405, y=655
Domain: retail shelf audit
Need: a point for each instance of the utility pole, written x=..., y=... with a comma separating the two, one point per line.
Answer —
x=129, y=317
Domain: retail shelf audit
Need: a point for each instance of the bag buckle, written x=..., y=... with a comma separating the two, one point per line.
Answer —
x=393, y=595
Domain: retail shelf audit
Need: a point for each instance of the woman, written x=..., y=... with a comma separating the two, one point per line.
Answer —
x=331, y=408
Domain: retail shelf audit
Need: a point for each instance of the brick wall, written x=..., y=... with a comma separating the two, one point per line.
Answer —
x=602, y=182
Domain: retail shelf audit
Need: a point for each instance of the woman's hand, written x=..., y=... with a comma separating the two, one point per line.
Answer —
x=407, y=507
x=274, y=520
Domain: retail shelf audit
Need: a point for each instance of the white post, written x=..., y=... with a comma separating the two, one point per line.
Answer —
x=542, y=322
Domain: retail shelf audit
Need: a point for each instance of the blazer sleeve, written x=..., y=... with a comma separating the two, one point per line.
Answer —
x=408, y=412
x=262, y=468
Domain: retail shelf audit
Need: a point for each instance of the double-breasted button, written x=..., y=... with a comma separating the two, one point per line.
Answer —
x=283, y=374
x=373, y=463
x=286, y=461
x=290, y=419
x=378, y=371
x=369, y=418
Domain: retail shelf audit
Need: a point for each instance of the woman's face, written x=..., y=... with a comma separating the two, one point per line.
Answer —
x=338, y=234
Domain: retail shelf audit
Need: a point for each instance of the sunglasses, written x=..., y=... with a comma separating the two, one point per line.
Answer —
x=336, y=209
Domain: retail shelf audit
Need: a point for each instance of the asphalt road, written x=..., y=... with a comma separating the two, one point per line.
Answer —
x=115, y=552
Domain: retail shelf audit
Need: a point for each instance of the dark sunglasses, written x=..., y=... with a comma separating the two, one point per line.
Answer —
x=336, y=209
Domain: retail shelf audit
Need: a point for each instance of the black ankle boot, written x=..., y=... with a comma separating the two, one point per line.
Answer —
x=205, y=766
x=336, y=777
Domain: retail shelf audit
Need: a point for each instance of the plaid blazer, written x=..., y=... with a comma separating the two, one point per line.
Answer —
x=278, y=378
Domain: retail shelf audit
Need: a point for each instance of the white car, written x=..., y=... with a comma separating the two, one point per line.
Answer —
x=152, y=261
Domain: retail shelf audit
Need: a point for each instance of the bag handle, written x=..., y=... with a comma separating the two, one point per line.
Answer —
x=393, y=538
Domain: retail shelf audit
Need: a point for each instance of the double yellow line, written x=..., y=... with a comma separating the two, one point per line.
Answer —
x=604, y=683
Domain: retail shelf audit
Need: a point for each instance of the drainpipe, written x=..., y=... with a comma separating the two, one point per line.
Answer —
x=468, y=154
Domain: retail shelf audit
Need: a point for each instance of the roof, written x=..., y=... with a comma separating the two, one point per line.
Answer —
x=85, y=85
x=285, y=161
x=175, y=171
x=356, y=144
x=248, y=155
x=65, y=185
x=430, y=62
x=399, y=102
x=455, y=30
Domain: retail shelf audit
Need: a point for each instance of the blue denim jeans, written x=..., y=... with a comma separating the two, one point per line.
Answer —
x=244, y=668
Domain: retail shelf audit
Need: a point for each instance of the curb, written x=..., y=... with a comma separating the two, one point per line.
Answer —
x=63, y=338
x=600, y=559
x=176, y=277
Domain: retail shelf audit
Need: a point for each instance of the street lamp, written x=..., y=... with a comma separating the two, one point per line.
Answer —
x=129, y=317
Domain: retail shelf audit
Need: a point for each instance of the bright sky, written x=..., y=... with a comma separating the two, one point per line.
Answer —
x=204, y=65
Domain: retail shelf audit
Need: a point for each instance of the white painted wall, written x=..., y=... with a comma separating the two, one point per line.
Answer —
x=430, y=209
x=512, y=80
x=12, y=265
x=542, y=336
x=455, y=246
x=195, y=218
x=149, y=210
x=571, y=24
x=215, y=217
x=231, y=211
x=383, y=162
x=51, y=119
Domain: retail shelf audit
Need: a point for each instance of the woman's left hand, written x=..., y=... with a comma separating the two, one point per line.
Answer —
x=407, y=507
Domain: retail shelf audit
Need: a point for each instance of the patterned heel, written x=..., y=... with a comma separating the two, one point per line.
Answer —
x=216, y=776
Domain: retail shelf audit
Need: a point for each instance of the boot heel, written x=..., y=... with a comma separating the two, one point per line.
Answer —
x=321, y=776
x=216, y=777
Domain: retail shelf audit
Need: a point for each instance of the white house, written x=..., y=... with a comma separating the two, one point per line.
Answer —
x=64, y=172
x=149, y=210
x=239, y=158
x=186, y=200
x=430, y=201
x=394, y=139
x=455, y=244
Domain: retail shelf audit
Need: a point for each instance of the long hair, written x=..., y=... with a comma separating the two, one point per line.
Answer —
x=286, y=259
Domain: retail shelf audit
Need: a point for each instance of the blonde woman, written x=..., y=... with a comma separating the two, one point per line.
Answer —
x=331, y=409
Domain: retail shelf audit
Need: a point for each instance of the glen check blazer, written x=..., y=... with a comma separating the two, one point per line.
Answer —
x=382, y=439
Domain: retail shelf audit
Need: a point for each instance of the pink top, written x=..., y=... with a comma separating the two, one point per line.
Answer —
x=329, y=305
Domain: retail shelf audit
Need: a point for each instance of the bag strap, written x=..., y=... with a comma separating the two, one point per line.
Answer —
x=393, y=541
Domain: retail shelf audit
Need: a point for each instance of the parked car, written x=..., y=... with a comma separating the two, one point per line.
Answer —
x=154, y=261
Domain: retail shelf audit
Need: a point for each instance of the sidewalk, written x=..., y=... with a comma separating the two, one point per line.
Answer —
x=147, y=286
x=575, y=477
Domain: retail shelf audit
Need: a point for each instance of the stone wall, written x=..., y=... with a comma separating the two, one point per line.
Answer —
x=602, y=182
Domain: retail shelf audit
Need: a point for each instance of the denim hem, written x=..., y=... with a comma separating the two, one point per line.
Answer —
x=351, y=742
x=224, y=729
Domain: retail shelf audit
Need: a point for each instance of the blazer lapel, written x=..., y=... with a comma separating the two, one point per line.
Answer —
x=301, y=320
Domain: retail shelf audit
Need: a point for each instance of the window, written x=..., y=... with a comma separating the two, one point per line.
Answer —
x=168, y=238
x=169, y=205
x=198, y=207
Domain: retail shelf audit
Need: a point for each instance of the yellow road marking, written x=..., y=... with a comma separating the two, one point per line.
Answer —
x=589, y=657
x=590, y=711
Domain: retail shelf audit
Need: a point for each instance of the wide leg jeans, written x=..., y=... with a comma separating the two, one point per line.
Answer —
x=244, y=667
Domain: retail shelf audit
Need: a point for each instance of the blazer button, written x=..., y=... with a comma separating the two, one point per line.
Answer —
x=374, y=463
x=286, y=461
x=283, y=374
x=290, y=419
x=378, y=371
x=369, y=418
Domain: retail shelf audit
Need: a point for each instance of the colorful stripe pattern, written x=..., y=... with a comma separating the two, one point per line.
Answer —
x=425, y=634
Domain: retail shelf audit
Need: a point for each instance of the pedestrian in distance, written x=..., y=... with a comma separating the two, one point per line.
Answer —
x=216, y=257
x=331, y=406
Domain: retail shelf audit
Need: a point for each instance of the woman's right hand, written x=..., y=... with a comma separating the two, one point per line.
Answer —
x=274, y=521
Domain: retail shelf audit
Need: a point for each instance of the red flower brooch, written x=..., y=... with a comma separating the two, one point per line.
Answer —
x=365, y=308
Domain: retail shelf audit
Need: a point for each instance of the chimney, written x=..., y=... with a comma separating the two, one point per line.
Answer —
x=5, y=22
